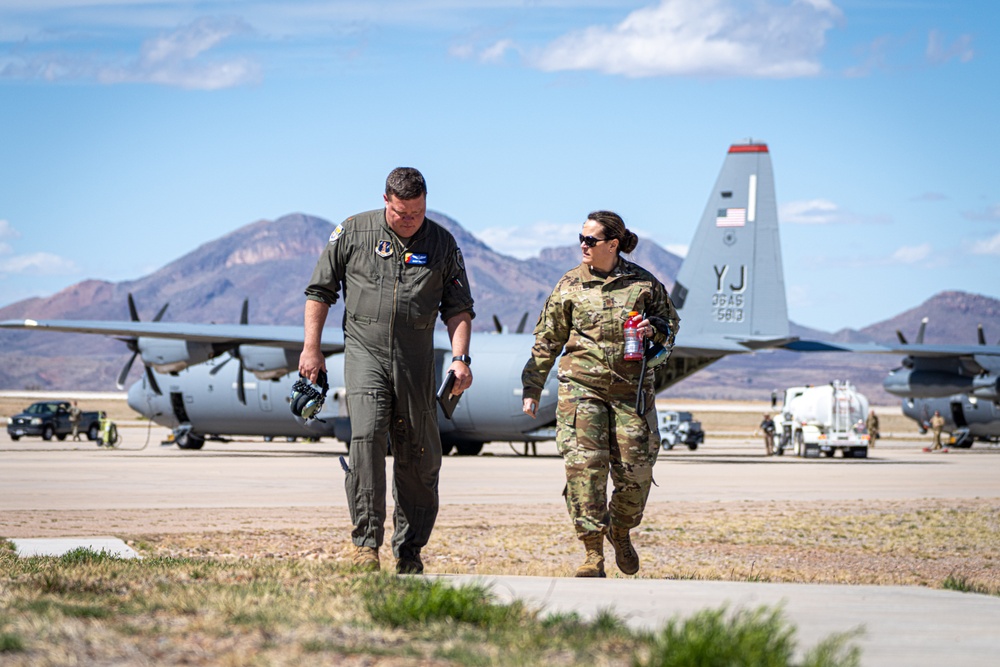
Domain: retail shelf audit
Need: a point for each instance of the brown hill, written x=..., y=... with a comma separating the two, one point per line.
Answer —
x=271, y=261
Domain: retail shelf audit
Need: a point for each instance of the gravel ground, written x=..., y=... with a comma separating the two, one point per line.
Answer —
x=870, y=542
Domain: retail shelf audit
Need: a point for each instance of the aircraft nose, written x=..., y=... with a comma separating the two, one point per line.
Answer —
x=139, y=401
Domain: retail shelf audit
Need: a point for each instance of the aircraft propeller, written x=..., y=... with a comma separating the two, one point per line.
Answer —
x=133, y=345
x=920, y=333
x=520, y=325
x=234, y=353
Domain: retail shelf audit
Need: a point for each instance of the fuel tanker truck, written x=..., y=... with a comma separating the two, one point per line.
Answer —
x=823, y=419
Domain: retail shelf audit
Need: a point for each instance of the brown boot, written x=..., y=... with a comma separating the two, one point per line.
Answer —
x=625, y=556
x=365, y=559
x=594, y=565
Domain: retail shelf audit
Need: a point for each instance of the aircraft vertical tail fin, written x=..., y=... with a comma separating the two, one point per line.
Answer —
x=731, y=284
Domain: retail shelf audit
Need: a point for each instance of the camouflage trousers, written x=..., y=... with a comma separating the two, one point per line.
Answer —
x=601, y=437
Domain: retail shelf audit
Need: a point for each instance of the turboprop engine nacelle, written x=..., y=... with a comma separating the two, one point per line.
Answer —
x=908, y=383
x=269, y=363
x=986, y=386
x=170, y=356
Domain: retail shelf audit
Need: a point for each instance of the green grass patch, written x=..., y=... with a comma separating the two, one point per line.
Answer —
x=759, y=637
x=962, y=584
x=96, y=608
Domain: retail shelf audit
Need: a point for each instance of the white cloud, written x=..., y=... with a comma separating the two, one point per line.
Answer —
x=677, y=249
x=39, y=263
x=911, y=254
x=178, y=57
x=989, y=214
x=700, y=37
x=939, y=52
x=525, y=242
x=810, y=212
x=990, y=246
x=8, y=232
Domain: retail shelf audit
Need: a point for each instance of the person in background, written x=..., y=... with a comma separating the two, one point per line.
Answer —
x=871, y=424
x=767, y=428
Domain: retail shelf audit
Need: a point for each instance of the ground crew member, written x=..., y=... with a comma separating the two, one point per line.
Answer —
x=767, y=428
x=871, y=424
x=397, y=272
x=937, y=425
x=597, y=428
x=75, y=414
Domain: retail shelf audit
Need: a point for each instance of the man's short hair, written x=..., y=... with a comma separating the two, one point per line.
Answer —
x=405, y=183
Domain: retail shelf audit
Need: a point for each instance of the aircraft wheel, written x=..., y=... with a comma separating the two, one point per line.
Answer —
x=469, y=448
x=47, y=433
x=190, y=441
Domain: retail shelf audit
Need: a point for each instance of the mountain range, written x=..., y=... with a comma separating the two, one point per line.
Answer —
x=271, y=262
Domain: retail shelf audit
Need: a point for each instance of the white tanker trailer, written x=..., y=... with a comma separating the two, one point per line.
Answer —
x=823, y=419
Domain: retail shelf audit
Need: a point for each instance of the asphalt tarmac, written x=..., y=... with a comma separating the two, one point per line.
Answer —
x=901, y=625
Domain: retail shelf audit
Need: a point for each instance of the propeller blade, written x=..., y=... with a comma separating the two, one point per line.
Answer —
x=241, y=393
x=245, y=313
x=982, y=335
x=497, y=325
x=133, y=313
x=524, y=321
x=124, y=373
x=162, y=310
x=152, y=382
x=901, y=337
x=219, y=367
x=920, y=334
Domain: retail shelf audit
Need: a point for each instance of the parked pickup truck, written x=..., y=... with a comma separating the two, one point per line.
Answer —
x=51, y=418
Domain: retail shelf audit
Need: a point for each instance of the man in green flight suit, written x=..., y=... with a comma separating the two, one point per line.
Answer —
x=397, y=271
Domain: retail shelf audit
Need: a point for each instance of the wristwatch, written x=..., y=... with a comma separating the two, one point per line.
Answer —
x=464, y=358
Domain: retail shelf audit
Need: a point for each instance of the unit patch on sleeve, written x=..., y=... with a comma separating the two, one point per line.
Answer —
x=418, y=258
x=336, y=233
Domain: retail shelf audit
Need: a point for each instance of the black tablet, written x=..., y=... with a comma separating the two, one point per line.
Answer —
x=448, y=400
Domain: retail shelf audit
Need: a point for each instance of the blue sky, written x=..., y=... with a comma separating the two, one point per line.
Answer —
x=134, y=131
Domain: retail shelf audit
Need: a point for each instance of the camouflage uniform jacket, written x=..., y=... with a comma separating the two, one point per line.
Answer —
x=585, y=315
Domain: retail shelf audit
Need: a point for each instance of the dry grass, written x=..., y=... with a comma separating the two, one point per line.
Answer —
x=117, y=409
x=881, y=543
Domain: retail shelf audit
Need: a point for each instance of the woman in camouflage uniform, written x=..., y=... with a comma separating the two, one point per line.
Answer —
x=598, y=429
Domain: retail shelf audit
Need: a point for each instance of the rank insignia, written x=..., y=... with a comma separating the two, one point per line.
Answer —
x=415, y=258
x=384, y=249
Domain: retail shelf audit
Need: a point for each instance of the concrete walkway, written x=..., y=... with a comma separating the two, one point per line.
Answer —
x=901, y=625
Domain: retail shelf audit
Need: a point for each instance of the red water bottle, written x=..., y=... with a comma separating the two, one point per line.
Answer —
x=633, y=346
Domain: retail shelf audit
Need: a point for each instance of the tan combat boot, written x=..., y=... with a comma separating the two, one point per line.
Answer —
x=594, y=565
x=625, y=556
x=365, y=559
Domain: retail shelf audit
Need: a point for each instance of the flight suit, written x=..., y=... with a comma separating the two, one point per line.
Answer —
x=393, y=293
x=597, y=428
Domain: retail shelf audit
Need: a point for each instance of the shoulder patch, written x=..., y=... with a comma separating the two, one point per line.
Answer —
x=335, y=234
x=458, y=258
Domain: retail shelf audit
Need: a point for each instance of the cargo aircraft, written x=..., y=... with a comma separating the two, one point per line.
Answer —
x=729, y=292
x=962, y=382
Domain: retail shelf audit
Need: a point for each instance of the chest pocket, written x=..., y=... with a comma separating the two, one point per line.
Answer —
x=422, y=285
x=363, y=294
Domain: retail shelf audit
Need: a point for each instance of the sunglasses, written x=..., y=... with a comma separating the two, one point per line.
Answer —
x=591, y=241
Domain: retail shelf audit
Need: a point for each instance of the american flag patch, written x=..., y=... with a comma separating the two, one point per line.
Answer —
x=731, y=217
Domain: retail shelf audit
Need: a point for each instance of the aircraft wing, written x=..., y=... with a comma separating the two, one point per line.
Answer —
x=910, y=349
x=287, y=337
